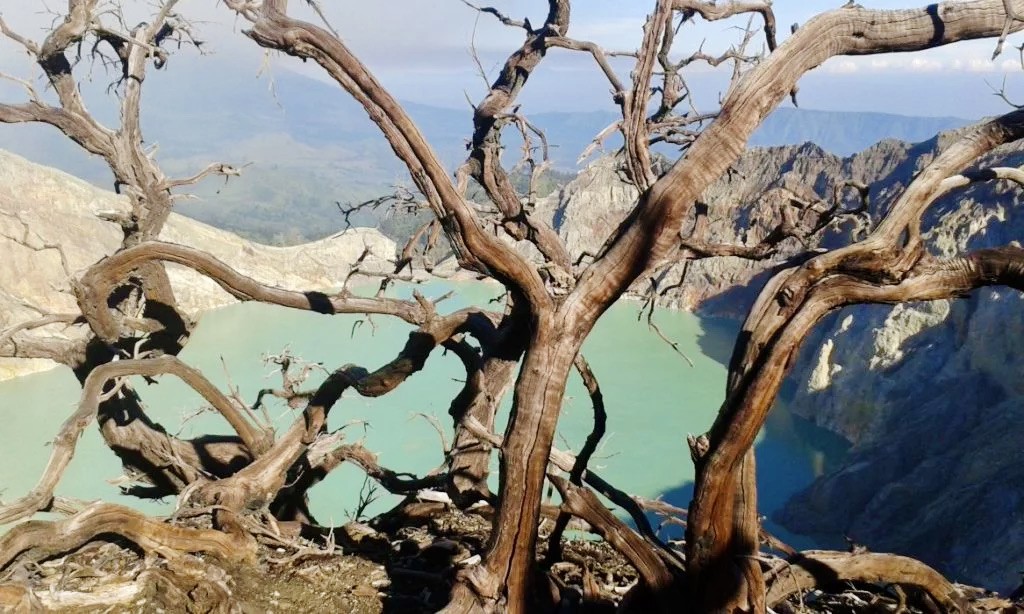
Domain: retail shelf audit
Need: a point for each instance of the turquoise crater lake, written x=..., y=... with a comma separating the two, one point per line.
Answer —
x=654, y=398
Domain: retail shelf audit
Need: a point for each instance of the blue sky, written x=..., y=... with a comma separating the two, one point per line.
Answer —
x=434, y=65
x=420, y=49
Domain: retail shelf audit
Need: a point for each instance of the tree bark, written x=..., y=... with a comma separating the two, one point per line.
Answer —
x=506, y=574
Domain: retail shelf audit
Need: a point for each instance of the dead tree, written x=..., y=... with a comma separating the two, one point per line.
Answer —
x=149, y=321
x=553, y=303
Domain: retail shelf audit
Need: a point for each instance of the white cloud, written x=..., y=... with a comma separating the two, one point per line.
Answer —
x=924, y=64
x=1010, y=65
x=979, y=65
x=841, y=66
x=971, y=59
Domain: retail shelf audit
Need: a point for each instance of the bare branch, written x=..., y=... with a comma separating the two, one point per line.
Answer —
x=98, y=282
x=46, y=320
x=223, y=170
x=36, y=540
x=393, y=482
x=515, y=23
x=66, y=440
x=600, y=56
x=484, y=161
x=263, y=478
x=713, y=11
x=634, y=105
x=475, y=248
x=579, y=466
x=648, y=235
x=1011, y=17
x=31, y=47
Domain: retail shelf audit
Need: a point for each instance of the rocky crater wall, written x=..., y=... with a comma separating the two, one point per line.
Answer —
x=42, y=206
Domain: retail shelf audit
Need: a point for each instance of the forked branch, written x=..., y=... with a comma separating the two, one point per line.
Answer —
x=476, y=248
x=94, y=392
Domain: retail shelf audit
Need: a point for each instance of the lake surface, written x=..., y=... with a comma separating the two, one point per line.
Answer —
x=654, y=399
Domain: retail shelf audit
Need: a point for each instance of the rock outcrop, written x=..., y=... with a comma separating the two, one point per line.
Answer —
x=40, y=206
x=743, y=206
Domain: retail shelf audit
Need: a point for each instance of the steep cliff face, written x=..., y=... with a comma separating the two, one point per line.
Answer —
x=930, y=395
x=743, y=206
x=40, y=206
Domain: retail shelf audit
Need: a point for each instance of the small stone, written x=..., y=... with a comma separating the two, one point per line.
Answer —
x=473, y=560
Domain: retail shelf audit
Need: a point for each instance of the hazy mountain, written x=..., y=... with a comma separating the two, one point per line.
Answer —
x=309, y=145
x=845, y=134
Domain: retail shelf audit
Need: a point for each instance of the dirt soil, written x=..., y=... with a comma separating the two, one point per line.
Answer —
x=409, y=569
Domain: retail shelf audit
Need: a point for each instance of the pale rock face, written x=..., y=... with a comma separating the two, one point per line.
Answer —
x=902, y=323
x=930, y=395
x=821, y=377
x=592, y=205
x=55, y=208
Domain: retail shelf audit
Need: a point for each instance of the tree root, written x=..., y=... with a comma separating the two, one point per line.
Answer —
x=37, y=540
x=824, y=569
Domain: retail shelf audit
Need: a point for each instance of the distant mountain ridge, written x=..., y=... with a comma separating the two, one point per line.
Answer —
x=845, y=133
x=310, y=146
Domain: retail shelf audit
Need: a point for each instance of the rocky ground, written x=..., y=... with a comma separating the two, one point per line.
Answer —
x=407, y=568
